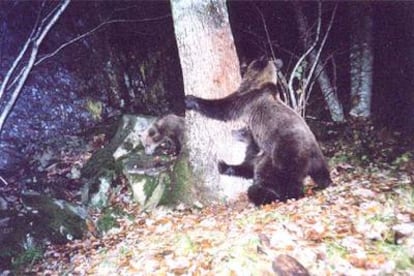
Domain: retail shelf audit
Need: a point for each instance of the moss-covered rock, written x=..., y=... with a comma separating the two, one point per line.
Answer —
x=56, y=220
x=44, y=220
x=101, y=170
x=153, y=180
x=157, y=181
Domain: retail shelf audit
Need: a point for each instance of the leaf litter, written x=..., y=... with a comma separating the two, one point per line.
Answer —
x=362, y=225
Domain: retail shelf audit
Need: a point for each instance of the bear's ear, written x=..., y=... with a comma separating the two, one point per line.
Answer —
x=151, y=132
x=263, y=58
x=258, y=64
x=278, y=63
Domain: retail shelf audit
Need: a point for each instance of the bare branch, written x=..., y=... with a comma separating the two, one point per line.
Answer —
x=321, y=47
x=19, y=57
x=90, y=32
x=3, y=180
x=266, y=31
x=315, y=62
x=14, y=65
x=292, y=75
x=26, y=70
x=64, y=45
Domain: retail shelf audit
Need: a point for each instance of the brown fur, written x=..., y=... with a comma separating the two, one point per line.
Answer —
x=290, y=150
x=259, y=72
x=166, y=132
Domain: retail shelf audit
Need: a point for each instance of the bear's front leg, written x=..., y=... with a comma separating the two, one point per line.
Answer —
x=242, y=170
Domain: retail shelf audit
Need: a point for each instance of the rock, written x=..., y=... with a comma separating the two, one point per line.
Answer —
x=153, y=180
x=44, y=220
x=285, y=265
x=404, y=229
x=101, y=169
x=56, y=220
x=127, y=137
x=158, y=181
x=148, y=179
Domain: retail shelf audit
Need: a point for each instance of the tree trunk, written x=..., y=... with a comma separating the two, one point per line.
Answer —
x=328, y=91
x=361, y=59
x=210, y=69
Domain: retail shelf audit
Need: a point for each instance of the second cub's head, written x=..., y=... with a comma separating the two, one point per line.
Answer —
x=259, y=72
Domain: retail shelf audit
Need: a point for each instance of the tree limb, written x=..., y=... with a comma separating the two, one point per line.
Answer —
x=37, y=40
x=64, y=45
x=266, y=31
x=320, y=48
x=292, y=75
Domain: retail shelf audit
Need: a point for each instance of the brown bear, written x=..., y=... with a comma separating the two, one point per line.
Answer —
x=253, y=157
x=259, y=72
x=255, y=165
x=287, y=149
x=166, y=133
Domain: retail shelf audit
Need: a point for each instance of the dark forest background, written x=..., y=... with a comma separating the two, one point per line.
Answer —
x=127, y=62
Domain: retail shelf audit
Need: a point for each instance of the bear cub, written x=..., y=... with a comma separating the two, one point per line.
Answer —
x=286, y=149
x=166, y=133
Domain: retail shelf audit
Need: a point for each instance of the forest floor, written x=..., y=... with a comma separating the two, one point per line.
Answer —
x=362, y=225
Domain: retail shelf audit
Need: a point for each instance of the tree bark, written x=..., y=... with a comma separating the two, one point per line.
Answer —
x=210, y=69
x=328, y=91
x=361, y=59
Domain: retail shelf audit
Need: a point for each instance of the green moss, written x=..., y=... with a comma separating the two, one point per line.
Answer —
x=55, y=217
x=165, y=179
x=108, y=219
x=27, y=258
x=150, y=185
x=179, y=188
x=95, y=108
x=399, y=254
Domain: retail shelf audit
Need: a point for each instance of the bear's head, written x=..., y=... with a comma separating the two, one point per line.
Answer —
x=152, y=138
x=259, y=72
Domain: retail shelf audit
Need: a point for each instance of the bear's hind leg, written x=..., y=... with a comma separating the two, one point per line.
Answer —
x=290, y=187
x=321, y=178
x=319, y=172
x=265, y=188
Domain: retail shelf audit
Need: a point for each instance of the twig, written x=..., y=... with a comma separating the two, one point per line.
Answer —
x=292, y=75
x=321, y=47
x=64, y=45
x=317, y=59
x=94, y=30
x=266, y=31
x=3, y=180
x=17, y=61
x=26, y=70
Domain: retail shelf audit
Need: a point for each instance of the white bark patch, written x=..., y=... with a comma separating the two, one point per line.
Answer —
x=361, y=59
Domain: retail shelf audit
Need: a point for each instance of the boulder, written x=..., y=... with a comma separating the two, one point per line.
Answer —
x=152, y=179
